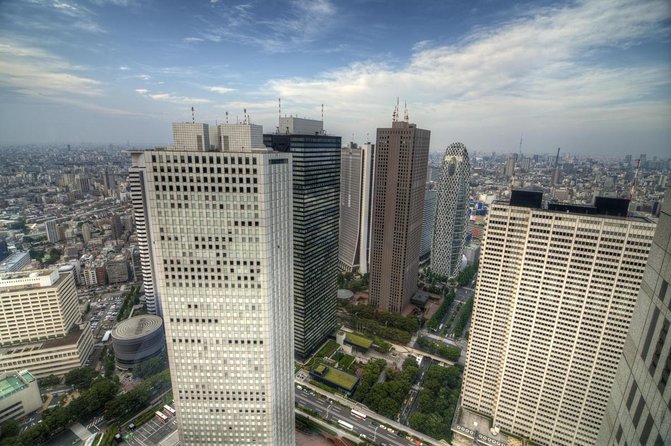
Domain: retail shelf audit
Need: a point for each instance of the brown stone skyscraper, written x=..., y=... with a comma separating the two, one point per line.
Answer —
x=398, y=202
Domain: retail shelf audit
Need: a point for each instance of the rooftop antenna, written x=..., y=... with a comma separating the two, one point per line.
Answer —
x=193, y=116
x=244, y=116
x=405, y=114
x=322, y=113
x=279, y=107
x=226, y=117
x=394, y=116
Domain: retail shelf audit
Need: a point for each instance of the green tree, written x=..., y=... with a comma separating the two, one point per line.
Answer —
x=9, y=428
x=81, y=378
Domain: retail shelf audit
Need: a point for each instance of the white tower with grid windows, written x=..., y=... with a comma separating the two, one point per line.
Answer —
x=222, y=248
x=451, y=214
x=554, y=299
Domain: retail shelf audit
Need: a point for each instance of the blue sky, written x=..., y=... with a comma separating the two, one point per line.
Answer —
x=591, y=76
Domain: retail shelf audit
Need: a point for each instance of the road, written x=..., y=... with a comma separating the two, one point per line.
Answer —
x=412, y=398
x=334, y=412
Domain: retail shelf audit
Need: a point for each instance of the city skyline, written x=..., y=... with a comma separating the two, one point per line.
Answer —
x=591, y=77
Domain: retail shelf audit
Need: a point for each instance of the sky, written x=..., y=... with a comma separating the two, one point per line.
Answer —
x=592, y=77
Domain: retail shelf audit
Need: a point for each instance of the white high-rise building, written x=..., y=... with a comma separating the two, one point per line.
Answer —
x=222, y=248
x=451, y=216
x=554, y=299
x=367, y=179
x=428, y=219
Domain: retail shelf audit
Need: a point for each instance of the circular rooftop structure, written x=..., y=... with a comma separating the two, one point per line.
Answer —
x=345, y=294
x=137, y=339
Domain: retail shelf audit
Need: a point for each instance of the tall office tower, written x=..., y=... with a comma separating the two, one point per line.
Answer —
x=553, y=302
x=222, y=246
x=316, y=185
x=137, y=181
x=398, y=203
x=52, y=231
x=86, y=232
x=639, y=409
x=367, y=179
x=428, y=217
x=449, y=227
x=350, y=207
x=191, y=136
x=627, y=160
x=41, y=328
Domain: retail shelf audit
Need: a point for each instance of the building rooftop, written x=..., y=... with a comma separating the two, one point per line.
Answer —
x=14, y=382
x=137, y=326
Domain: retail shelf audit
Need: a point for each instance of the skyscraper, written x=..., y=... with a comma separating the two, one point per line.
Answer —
x=350, y=207
x=221, y=233
x=554, y=298
x=137, y=182
x=52, y=231
x=401, y=160
x=316, y=198
x=451, y=217
x=367, y=181
x=639, y=409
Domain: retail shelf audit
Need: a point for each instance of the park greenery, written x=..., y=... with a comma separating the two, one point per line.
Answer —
x=438, y=316
x=127, y=305
x=56, y=420
x=109, y=362
x=438, y=349
x=386, y=398
x=464, y=317
x=466, y=276
x=138, y=398
x=81, y=378
x=391, y=326
x=437, y=402
x=48, y=381
x=352, y=282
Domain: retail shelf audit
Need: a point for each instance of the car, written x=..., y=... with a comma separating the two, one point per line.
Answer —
x=131, y=426
x=362, y=435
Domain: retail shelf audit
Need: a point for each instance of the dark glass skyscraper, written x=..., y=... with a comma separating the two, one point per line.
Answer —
x=316, y=187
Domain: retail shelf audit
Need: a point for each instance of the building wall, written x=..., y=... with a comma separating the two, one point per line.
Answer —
x=400, y=178
x=350, y=208
x=639, y=408
x=47, y=358
x=368, y=165
x=316, y=195
x=451, y=217
x=223, y=255
x=553, y=303
x=191, y=136
x=34, y=312
x=25, y=400
x=428, y=221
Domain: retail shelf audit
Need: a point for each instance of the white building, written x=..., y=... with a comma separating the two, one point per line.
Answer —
x=41, y=327
x=190, y=136
x=451, y=216
x=428, y=219
x=222, y=249
x=554, y=298
x=19, y=395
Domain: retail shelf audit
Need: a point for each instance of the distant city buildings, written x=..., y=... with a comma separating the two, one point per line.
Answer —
x=398, y=201
x=451, y=216
x=42, y=328
x=554, y=298
x=639, y=408
x=221, y=242
x=316, y=211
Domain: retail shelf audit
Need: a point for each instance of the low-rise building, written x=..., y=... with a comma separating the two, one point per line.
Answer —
x=19, y=395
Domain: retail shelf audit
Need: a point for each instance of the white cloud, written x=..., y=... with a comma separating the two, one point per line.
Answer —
x=535, y=70
x=35, y=72
x=171, y=97
x=192, y=40
x=220, y=89
x=124, y=68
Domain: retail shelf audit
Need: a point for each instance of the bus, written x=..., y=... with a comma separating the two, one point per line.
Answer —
x=346, y=425
x=161, y=417
x=169, y=410
x=357, y=414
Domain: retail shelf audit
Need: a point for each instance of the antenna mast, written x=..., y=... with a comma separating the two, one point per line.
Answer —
x=193, y=116
x=226, y=117
x=279, y=107
x=322, y=113
x=405, y=114
x=244, y=116
x=394, y=116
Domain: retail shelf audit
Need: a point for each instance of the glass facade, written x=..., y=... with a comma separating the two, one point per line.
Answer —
x=316, y=188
